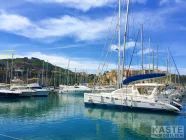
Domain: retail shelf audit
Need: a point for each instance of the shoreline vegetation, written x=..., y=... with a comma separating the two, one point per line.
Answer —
x=55, y=75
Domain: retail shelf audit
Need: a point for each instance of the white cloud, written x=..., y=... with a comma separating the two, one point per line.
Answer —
x=114, y=47
x=80, y=28
x=13, y=22
x=145, y=51
x=62, y=61
x=84, y=5
x=129, y=45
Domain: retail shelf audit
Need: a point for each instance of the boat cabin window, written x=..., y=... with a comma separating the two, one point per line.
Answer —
x=14, y=89
x=145, y=90
x=36, y=88
x=23, y=88
x=4, y=88
x=76, y=87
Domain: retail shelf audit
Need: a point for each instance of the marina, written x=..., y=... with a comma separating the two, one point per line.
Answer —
x=108, y=70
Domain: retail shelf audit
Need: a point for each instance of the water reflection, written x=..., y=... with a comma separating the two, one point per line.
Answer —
x=65, y=117
x=137, y=122
x=41, y=108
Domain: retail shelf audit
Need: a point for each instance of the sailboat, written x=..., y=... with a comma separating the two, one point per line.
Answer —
x=73, y=89
x=76, y=89
x=137, y=96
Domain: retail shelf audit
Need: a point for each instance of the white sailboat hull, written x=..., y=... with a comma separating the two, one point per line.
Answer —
x=75, y=90
x=127, y=102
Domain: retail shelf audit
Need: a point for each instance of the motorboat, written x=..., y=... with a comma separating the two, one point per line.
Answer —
x=76, y=89
x=25, y=91
x=5, y=92
x=39, y=91
x=99, y=89
x=137, y=96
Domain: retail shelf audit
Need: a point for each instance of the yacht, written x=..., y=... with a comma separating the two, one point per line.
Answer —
x=138, y=96
x=39, y=91
x=25, y=91
x=99, y=89
x=75, y=89
x=5, y=92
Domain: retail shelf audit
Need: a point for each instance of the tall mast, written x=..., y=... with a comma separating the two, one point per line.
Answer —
x=125, y=41
x=42, y=74
x=27, y=76
x=47, y=74
x=175, y=79
x=142, y=47
x=59, y=76
x=65, y=77
x=149, y=55
x=38, y=79
x=68, y=72
x=119, y=22
x=12, y=69
x=167, y=66
x=83, y=76
x=55, y=77
x=170, y=80
x=177, y=69
x=153, y=60
x=157, y=58
x=75, y=76
x=7, y=71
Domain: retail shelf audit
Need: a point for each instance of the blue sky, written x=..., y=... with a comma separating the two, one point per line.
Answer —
x=59, y=30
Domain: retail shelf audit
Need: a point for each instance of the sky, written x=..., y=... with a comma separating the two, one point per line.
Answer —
x=86, y=31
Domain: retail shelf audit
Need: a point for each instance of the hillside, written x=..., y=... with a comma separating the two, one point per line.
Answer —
x=33, y=67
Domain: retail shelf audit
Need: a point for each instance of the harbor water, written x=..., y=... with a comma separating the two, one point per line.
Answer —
x=64, y=117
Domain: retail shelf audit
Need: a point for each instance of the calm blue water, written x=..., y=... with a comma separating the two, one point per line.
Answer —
x=64, y=117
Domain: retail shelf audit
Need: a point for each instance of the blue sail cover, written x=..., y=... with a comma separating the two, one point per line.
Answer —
x=142, y=77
